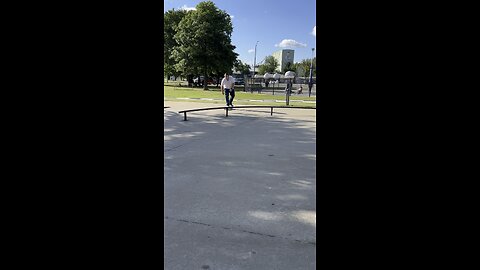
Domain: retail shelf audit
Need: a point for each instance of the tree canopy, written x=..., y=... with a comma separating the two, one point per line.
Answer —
x=303, y=68
x=243, y=68
x=203, y=39
x=289, y=67
x=270, y=65
x=170, y=23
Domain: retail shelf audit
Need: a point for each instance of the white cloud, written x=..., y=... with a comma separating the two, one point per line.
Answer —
x=290, y=43
x=314, y=31
x=251, y=51
x=184, y=7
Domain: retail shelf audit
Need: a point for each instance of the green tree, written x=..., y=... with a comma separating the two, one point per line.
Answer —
x=171, y=19
x=204, y=41
x=243, y=68
x=300, y=70
x=304, y=66
x=289, y=67
x=270, y=65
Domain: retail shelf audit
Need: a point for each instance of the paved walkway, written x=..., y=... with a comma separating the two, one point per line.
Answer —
x=239, y=190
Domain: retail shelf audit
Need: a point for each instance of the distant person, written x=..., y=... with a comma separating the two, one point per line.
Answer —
x=190, y=81
x=299, y=90
x=228, y=88
x=288, y=88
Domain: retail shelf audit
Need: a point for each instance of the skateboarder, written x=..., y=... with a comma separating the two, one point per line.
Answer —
x=228, y=88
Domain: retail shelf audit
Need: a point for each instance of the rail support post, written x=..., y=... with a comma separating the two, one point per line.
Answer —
x=271, y=111
x=184, y=116
x=226, y=112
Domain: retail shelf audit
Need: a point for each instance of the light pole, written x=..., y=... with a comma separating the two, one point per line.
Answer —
x=288, y=75
x=254, y=62
x=258, y=88
x=276, y=77
x=310, y=82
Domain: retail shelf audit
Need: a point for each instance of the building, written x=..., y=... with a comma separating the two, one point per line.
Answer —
x=284, y=57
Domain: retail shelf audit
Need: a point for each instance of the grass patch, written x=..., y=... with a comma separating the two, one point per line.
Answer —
x=241, y=98
x=171, y=92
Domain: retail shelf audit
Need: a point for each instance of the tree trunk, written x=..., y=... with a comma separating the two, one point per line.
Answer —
x=205, y=79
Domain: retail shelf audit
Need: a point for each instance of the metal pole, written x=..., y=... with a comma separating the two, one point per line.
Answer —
x=253, y=84
x=287, y=93
x=254, y=60
x=310, y=83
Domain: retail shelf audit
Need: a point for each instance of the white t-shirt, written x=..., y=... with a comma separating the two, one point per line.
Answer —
x=228, y=84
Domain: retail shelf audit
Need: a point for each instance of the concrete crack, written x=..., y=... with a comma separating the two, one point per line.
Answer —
x=175, y=147
x=245, y=231
x=178, y=146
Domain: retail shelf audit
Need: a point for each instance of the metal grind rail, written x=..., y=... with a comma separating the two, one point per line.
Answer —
x=241, y=107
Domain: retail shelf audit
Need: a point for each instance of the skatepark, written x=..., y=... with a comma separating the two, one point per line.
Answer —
x=239, y=191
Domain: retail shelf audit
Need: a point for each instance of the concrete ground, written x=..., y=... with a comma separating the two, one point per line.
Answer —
x=239, y=190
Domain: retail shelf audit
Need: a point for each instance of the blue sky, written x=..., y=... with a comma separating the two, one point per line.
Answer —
x=275, y=24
